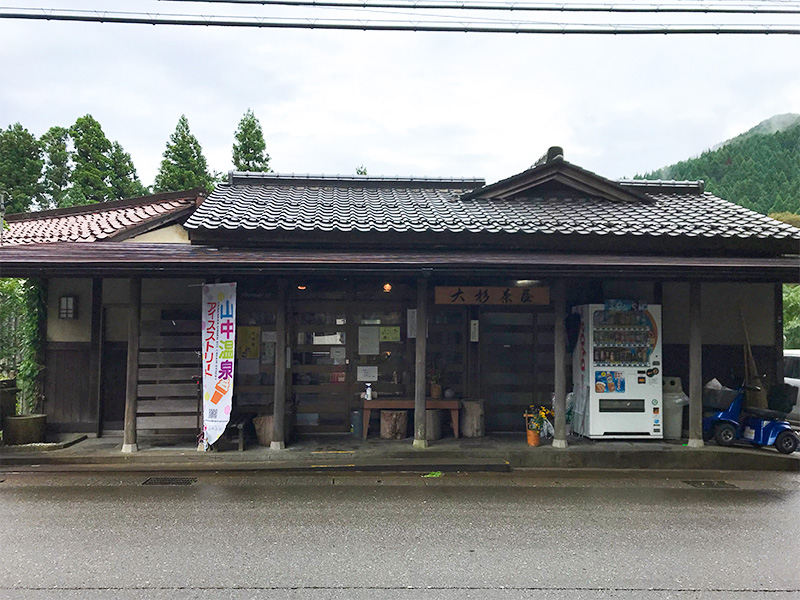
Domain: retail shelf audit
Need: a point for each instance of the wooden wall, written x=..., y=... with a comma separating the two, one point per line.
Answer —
x=68, y=400
x=724, y=362
x=112, y=386
x=168, y=363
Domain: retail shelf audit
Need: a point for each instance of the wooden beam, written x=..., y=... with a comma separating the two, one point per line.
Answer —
x=420, y=395
x=132, y=381
x=95, y=352
x=279, y=405
x=695, y=366
x=559, y=366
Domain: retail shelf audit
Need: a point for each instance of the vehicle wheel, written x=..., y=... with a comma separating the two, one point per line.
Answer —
x=786, y=442
x=725, y=434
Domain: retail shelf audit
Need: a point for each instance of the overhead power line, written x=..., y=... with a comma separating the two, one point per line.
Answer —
x=706, y=8
x=420, y=26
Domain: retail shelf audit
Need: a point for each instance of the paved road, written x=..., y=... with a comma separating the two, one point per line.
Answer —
x=351, y=536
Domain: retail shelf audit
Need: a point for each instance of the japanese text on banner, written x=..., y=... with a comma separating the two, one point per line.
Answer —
x=219, y=341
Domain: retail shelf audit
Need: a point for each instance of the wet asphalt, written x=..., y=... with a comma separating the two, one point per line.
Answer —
x=709, y=535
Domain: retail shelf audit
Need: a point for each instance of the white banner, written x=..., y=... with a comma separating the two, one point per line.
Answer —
x=219, y=342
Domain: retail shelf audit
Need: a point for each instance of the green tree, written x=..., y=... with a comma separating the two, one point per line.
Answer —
x=787, y=217
x=92, y=162
x=12, y=310
x=759, y=170
x=103, y=170
x=791, y=316
x=124, y=181
x=362, y=170
x=791, y=295
x=184, y=165
x=249, y=149
x=20, y=167
x=57, y=168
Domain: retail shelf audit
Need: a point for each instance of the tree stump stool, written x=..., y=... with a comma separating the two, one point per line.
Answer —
x=394, y=424
x=263, y=426
x=433, y=425
x=471, y=419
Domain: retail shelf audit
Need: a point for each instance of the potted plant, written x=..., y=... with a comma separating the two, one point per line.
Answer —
x=435, y=382
x=535, y=417
x=20, y=428
x=22, y=302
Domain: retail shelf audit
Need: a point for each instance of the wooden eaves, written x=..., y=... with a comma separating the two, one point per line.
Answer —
x=153, y=260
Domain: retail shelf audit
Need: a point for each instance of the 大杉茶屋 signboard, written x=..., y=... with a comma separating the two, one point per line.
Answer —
x=219, y=342
x=496, y=296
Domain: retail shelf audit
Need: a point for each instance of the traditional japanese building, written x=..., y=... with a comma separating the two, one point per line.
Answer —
x=338, y=277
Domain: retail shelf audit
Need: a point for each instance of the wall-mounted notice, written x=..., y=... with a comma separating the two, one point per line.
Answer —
x=390, y=334
x=247, y=345
x=367, y=373
x=411, y=323
x=369, y=340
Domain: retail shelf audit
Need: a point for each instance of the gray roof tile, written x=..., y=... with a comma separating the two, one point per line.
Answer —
x=279, y=202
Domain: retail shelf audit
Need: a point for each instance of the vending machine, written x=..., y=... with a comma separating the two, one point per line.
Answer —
x=617, y=371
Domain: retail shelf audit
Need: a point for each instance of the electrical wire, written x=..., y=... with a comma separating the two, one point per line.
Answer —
x=519, y=7
x=420, y=26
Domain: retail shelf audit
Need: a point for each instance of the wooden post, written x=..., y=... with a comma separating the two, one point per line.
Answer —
x=95, y=352
x=695, y=367
x=559, y=350
x=279, y=406
x=420, y=395
x=132, y=382
x=778, y=320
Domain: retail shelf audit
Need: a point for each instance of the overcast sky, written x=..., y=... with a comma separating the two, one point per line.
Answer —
x=424, y=104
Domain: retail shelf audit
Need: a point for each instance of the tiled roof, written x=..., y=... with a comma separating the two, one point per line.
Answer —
x=325, y=203
x=639, y=208
x=95, y=222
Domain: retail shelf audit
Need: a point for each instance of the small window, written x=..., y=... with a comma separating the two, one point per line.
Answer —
x=68, y=307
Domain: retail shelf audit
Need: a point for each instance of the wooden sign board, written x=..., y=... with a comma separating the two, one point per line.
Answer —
x=497, y=296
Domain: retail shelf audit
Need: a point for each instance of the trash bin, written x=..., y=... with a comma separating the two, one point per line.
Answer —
x=357, y=423
x=673, y=400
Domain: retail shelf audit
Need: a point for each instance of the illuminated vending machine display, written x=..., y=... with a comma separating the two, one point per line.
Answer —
x=617, y=371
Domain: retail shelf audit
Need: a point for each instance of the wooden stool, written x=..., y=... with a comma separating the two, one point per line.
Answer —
x=394, y=424
x=472, y=419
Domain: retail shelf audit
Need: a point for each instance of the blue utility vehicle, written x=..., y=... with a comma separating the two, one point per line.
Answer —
x=755, y=426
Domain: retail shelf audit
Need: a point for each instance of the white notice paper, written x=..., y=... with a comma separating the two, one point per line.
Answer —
x=411, y=323
x=367, y=373
x=369, y=340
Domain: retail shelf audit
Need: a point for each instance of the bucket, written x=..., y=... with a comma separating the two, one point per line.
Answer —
x=534, y=438
x=356, y=423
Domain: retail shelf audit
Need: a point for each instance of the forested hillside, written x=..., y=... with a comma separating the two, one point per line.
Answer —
x=759, y=169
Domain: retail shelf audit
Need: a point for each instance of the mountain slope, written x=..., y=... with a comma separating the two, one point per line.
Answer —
x=759, y=169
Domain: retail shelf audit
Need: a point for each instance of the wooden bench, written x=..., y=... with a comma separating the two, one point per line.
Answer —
x=239, y=421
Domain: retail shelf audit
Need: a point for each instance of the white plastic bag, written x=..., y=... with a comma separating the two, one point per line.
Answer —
x=547, y=430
